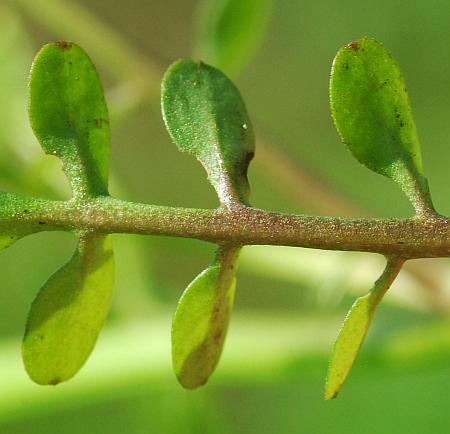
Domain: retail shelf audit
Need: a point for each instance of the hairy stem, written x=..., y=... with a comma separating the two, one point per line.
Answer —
x=417, y=237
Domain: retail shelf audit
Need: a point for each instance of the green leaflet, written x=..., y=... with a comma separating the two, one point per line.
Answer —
x=68, y=313
x=230, y=31
x=354, y=330
x=206, y=117
x=371, y=110
x=69, y=116
x=201, y=320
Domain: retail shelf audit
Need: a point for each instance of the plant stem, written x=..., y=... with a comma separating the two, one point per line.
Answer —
x=417, y=237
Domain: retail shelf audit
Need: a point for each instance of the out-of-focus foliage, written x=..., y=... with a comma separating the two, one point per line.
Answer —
x=230, y=31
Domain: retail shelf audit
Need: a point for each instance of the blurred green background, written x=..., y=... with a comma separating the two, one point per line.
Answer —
x=290, y=302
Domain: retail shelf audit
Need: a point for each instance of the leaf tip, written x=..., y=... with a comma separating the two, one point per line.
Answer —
x=54, y=381
x=332, y=387
x=191, y=383
x=330, y=395
x=64, y=45
x=354, y=45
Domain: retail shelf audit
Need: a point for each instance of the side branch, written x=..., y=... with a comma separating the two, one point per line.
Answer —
x=418, y=237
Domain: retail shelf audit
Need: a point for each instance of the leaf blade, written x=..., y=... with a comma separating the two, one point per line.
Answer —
x=372, y=113
x=69, y=117
x=354, y=330
x=201, y=320
x=206, y=117
x=68, y=313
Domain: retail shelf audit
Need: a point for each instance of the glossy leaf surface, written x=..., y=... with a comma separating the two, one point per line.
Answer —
x=354, y=330
x=201, y=321
x=206, y=117
x=371, y=110
x=69, y=116
x=230, y=31
x=68, y=313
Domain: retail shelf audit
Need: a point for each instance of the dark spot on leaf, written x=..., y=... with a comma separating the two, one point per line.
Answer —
x=25, y=211
x=11, y=237
x=55, y=381
x=400, y=242
x=42, y=223
x=401, y=124
x=98, y=122
x=218, y=335
x=345, y=65
x=334, y=395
